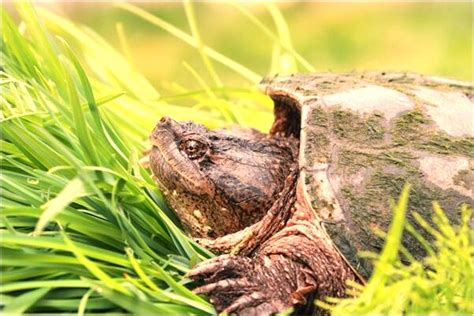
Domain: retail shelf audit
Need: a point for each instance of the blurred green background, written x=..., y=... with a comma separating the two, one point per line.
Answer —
x=431, y=38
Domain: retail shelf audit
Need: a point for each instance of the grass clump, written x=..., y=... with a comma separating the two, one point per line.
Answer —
x=83, y=227
x=400, y=285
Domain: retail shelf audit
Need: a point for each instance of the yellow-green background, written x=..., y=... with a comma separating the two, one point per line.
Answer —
x=431, y=38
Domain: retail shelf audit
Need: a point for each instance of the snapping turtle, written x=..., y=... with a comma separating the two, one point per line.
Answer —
x=293, y=208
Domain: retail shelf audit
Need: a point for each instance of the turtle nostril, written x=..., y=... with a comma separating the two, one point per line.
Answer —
x=164, y=119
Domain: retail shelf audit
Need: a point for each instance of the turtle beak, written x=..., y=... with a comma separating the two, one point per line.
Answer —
x=165, y=122
x=166, y=125
x=166, y=155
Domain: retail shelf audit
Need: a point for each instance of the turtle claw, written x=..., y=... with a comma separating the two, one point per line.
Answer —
x=226, y=285
x=225, y=266
x=208, y=267
x=244, y=302
x=236, y=284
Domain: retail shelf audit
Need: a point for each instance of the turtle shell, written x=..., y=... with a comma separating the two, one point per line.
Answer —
x=363, y=136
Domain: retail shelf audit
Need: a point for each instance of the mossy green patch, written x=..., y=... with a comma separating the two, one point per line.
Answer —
x=442, y=143
x=353, y=126
x=352, y=160
x=318, y=118
x=409, y=127
x=317, y=147
x=361, y=216
x=368, y=206
x=414, y=129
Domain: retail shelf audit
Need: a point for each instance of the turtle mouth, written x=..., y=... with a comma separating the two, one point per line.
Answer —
x=287, y=114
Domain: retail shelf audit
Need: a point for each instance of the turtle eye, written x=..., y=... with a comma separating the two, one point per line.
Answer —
x=194, y=149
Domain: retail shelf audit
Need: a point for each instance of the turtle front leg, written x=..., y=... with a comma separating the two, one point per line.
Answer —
x=253, y=286
x=293, y=263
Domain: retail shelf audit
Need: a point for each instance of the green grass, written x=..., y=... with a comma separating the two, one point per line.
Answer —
x=81, y=220
x=83, y=227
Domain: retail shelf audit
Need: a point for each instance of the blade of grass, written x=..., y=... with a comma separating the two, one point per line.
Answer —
x=123, y=41
x=188, y=6
x=287, y=61
x=272, y=36
x=22, y=303
x=188, y=39
x=83, y=303
x=93, y=268
x=64, y=283
x=75, y=189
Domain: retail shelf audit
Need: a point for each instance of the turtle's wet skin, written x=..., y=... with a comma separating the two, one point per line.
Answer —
x=289, y=211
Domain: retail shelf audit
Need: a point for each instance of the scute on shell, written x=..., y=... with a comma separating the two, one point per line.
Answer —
x=364, y=135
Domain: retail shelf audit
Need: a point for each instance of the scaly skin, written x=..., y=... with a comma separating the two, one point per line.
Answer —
x=227, y=184
x=287, y=257
x=292, y=220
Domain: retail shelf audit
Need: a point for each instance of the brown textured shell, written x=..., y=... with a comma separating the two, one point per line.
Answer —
x=363, y=135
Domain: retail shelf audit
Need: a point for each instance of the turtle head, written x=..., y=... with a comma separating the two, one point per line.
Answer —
x=218, y=181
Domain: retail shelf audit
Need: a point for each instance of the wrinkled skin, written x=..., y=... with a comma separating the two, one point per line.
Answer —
x=245, y=188
x=218, y=183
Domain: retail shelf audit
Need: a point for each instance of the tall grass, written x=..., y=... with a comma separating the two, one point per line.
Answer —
x=83, y=227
